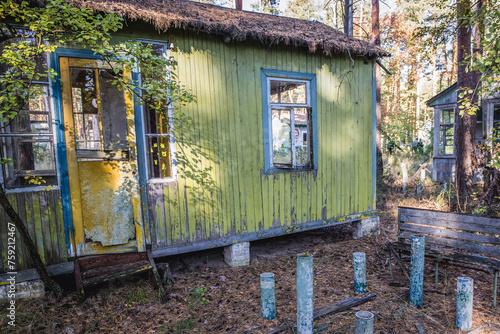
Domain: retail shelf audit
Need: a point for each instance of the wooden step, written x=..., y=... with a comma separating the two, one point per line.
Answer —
x=93, y=270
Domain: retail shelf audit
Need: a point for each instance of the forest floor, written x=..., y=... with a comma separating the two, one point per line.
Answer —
x=207, y=296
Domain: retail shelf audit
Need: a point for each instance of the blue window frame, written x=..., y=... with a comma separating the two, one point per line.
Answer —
x=289, y=120
x=159, y=140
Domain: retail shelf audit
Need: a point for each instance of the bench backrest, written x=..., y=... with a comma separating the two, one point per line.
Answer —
x=468, y=232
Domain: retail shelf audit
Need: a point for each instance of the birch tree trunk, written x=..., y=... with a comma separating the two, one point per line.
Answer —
x=376, y=41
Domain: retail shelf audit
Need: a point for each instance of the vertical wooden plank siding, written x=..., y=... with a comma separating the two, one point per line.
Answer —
x=42, y=212
x=227, y=139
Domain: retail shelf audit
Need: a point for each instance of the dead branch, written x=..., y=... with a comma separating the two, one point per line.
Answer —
x=337, y=307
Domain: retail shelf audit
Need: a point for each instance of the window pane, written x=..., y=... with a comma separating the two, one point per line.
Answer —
x=446, y=144
x=301, y=136
x=496, y=113
x=40, y=102
x=113, y=113
x=159, y=157
x=288, y=92
x=282, y=144
x=158, y=147
x=26, y=122
x=447, y=116
x=85, y=110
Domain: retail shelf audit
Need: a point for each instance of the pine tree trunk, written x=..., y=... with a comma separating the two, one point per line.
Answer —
x=465, y=126
x=376, y=41
x=30, y=245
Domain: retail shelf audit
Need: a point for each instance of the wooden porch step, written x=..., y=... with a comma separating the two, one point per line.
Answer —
x=93, y=270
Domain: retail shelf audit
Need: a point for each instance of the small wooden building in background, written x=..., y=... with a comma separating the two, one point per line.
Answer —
x=445, y=106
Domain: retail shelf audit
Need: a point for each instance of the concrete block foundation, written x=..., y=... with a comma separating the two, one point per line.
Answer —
x=23, y=290
x=237, y=255
x=366, y=228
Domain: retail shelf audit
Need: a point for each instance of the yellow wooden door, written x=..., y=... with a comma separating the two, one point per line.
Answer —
x=100, y=146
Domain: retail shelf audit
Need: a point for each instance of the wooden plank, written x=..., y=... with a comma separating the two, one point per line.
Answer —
x=174, y=215
x=184, y=75
x=37, y=218
x=152, y=212
x=204, y=209
x=31, y=274
x=260, y=61
x=455, y=224
x=337, y=307
x=167, y=227
x=19, y=244
x=332, y=135
x=61, y=236
x=53, y=227
x=92, y=262
x=159, y=214
x=21, y=211
x=168, y=205
x=193, y=142
x=214, y=74
x=470, y=246
x=225, y=154
x=446, y=233
x=449, y=216
x=3, y=240
x=245, y=157
x=234, y=127
x=451, y=257
x=255, y=89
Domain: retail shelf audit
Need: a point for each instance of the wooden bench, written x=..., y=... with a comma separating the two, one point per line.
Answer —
x=450, y=238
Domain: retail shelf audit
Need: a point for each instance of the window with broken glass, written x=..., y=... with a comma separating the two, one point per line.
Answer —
x=446, y=127
x=158, y=137
x=27, y=140
x=290, y=120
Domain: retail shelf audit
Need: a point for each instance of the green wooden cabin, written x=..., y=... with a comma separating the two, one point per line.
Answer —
x=282, y=141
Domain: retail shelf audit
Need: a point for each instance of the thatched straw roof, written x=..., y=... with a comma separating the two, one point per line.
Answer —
x=239, y=25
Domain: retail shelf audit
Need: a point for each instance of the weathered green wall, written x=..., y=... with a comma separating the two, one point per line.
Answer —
x=227, y=138
x=42, y=211
x=223, y=192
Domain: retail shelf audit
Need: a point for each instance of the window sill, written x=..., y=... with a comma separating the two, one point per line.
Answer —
x=164, y=180
x=445, y=157
x=273, y=171
x=30, y=189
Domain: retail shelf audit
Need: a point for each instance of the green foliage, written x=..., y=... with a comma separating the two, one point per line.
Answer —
x=196, y=298
x=184, y=324
x=63, y=24
x=138, y=296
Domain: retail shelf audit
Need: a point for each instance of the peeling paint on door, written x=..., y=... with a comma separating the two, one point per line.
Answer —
x=106, y=188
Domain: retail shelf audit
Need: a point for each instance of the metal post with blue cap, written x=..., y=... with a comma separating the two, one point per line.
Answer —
x=465, y=296
x=417, y=270
x=305, y=295
x=359, y=266
x=267, y=296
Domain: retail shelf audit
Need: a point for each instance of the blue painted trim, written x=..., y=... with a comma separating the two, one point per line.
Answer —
x=314, y=123
x=141, y=160
x=374, y=129
x=265, y=123
x=288, y=75
x=74, y=53
x=265, y=116
x=252, y=236
x=62, y=168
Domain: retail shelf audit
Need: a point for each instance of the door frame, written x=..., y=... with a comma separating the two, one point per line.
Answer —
x=73, y=237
